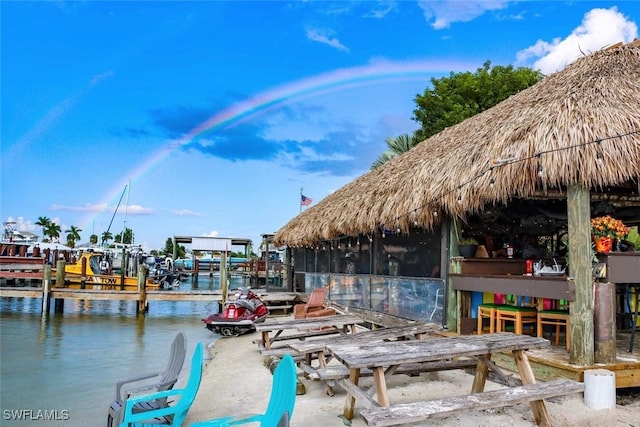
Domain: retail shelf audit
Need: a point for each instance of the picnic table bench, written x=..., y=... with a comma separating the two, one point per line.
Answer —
x=403, y=413
x=305, y=328
x=383, y=358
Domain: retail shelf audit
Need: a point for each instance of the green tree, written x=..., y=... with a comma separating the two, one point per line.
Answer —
x=93, y=239
x=73, y=235
x=462, y=95
x=53, y=230
x=128, y=236
x=395, y=147
x=168, y=249
x=106, y=236
x=43, y=222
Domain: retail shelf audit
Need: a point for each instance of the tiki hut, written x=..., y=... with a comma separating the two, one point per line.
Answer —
x=567, y=147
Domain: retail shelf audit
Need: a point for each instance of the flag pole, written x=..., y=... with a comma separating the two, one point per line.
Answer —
x=300, y=200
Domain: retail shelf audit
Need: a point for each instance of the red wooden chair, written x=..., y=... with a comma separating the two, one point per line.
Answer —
x=315, y=306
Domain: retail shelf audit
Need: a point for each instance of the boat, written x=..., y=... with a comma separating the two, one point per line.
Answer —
x=14, y=242
x=204, y=262
x=99, y=274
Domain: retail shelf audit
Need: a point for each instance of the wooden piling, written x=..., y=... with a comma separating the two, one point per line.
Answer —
x=59, y=303
x=60, y=273
x=123, y=268
x=142, y=289
x=605, y=322
x=46, y=283
x=83, y=273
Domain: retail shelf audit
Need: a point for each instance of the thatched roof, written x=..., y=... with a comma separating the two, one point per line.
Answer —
x=497, y=155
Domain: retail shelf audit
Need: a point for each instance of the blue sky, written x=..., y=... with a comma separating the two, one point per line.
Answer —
x=217, y=113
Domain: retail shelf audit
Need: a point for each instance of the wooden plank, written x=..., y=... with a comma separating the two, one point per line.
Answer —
x=420, y=411
x=540, y=287
x=313, y=323
x=93, y=294
x=335, y=372
x=31, y=261
x=364, y=337
x=22, y=275
x=400, y=352
x=21, y=292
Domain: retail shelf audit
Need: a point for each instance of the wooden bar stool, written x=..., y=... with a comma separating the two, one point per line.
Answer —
x=519, y=315
x=557, y=318
x=487, y=311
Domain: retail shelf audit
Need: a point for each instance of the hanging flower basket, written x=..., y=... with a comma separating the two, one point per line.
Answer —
x=603, y=244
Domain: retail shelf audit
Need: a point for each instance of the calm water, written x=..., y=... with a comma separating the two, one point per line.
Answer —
x=70, y=362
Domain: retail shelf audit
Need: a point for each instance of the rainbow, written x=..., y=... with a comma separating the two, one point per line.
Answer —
x=333, y=81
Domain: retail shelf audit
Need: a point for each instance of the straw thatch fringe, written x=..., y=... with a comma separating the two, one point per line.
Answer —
x=539, y=139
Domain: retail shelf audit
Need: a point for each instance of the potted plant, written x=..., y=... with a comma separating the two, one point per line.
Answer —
x=604, y=230
x=467, y=247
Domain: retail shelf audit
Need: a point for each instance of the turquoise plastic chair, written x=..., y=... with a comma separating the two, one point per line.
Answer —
x=174, y=414
x=281, y=401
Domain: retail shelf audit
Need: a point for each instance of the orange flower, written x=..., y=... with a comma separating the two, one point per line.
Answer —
x=609, y=227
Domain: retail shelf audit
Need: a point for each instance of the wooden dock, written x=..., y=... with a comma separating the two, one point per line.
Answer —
x=22, y=270
x=277, y=302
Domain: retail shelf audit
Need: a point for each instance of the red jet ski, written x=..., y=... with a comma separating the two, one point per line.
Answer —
x=239, y=315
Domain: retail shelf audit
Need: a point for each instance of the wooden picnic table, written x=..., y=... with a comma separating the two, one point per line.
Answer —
x=383, y=358
x=305, y=328
x=314, y=349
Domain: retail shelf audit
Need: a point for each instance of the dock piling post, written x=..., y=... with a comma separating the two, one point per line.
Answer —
x=83, y=273
x=142, y=289
x=46, y=296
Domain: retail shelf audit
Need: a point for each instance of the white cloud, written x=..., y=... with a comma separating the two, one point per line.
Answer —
x=441, y=14
x=381, y=9
x=187, y=212
x=599, y=28
x=323, y=36
x=137, y=210
x=88, y=207
x=211, y=234
x=103, y=207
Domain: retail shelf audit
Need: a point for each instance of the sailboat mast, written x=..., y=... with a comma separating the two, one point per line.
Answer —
x=114, y=212
x=126, y=208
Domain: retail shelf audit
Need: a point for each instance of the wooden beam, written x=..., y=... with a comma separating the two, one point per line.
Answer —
x=582, y=326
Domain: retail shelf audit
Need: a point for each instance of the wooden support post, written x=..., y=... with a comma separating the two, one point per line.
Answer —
x=46, y=283
x=60, y=273
x=142, y=289
x=123, y=267
x=579, y=221
x=605, y=322
x=453, y=310
x=83, y=273
x=58, y=305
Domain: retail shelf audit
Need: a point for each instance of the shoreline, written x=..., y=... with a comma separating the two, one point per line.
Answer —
x=236, y=381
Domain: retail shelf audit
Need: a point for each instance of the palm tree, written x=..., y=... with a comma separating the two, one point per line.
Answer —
x=53, y=231
x=93, y=239
x=396, y=146
x=106, y=236
x=43, y=222
x=73, y=235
